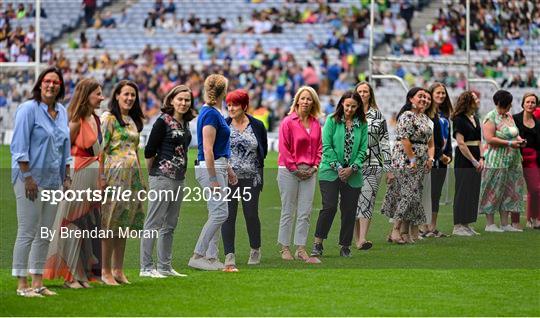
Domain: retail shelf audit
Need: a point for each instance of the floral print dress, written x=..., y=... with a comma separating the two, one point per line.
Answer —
x=403, y=199
x=122, y=169
x=503, y=185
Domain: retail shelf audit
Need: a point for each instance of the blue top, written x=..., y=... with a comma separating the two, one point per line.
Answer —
x=445, y=129
x=43, y=142
x=222, y=146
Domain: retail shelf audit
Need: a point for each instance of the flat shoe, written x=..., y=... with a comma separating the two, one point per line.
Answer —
x=28, y=292
x=44, y=291
x=73, y=285
x=366, y=246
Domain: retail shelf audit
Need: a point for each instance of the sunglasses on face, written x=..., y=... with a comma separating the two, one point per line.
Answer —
x=48, y=82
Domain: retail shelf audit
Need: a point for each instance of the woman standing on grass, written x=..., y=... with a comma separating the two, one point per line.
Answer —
x=529, y=130
x=345, y=139
x=442, y=109
x=212, y=171
x=166, y=159
x=469, y=163
x=121, y=127
x=78, y=260
x=249, y=147
x=502, y=187
x=300, y=152
x=40, y=160
x=378, y=160
x=412, y=157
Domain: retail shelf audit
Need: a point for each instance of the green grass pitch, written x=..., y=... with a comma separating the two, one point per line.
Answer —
x=495, y=274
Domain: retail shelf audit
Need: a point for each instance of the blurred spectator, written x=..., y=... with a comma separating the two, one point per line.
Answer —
x=519, y=58
x=90, y=7
x=108, y=21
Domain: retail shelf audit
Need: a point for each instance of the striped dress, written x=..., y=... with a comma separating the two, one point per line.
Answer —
x=503, y=186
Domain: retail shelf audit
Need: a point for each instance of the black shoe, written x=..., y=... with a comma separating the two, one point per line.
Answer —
x=345, y=251
x=317, y=249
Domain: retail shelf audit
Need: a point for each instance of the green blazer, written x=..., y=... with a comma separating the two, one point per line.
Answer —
x=333, y=139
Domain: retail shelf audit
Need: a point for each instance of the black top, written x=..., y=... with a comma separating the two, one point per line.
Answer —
x=437, y=137
x=532, y=135
x=262, y=140
x=168, y=142
x=462, y=125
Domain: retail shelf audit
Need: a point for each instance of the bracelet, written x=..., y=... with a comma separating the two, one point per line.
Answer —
x=509, y=143
x=212, y=179
x=26, y=174
x=482, y=158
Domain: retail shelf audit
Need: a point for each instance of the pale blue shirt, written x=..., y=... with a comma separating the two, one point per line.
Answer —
x=43, y=142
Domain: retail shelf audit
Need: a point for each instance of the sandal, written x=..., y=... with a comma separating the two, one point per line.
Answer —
x=73, y=285
x=28, y=292
x=44, y=291
x=286, y=255
x=302, y=255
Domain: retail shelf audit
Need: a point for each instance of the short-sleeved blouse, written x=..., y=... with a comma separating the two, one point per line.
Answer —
x=464, y=126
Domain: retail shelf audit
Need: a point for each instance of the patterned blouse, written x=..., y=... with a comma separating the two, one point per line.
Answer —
x=168, y=142
x=378, y=152
x=349, y=142
x=244, y=154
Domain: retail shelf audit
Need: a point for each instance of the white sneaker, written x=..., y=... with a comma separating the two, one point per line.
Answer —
x=461, y=231
x=510, y=228
x=254, y=257
x=152, y=273
x=201, y=263
x=216, y=263
x=230, y=260
x=493, y=228
x=172, y=272
x=471, y=230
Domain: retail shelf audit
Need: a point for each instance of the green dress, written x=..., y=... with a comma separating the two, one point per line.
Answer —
x=122, y=170
x=503, y=186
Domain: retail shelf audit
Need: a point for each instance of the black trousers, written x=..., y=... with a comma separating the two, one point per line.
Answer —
x=438, y=176
x=331, y=191
x=251, y=215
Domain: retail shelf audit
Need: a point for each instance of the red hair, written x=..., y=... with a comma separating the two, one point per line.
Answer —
x=238, y=97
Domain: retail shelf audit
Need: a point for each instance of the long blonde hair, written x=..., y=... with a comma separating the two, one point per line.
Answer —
x=215, y=88
x=315, y=108
x=80, y=107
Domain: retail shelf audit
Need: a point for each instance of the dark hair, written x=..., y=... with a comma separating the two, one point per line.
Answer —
x=36, y=91
x=167, y=102
x=408, y=104
x=503, y=98
x=135, y=112
x=446, y=106
x=463, y=103
x=339, y=112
